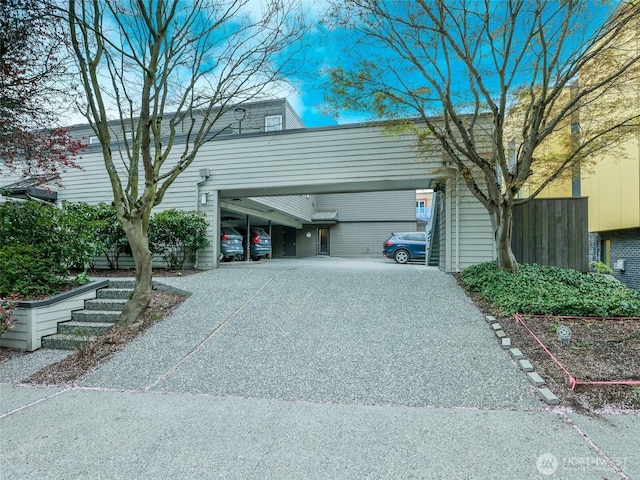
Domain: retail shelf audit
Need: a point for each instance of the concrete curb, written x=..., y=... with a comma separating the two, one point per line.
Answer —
x=525, y=365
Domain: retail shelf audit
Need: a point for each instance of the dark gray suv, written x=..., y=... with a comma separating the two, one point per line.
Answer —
x=230, y=244
x=259, y=240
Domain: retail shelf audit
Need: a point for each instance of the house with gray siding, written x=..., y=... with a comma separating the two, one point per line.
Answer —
x=336, y=191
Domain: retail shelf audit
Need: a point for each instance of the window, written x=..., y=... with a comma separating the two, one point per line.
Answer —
x=420, y=207
x=415, y=237
x=605, y=251
x=93, y=140
x=272, y=123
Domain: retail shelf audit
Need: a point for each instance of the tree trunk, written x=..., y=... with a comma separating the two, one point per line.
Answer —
x=141, y=297
x=502, y=224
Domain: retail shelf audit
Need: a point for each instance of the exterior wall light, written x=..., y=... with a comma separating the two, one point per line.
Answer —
x=204, y=197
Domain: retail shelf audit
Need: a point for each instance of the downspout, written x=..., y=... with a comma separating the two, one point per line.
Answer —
x=457, y=221
x=447, y=228
x=204, y=175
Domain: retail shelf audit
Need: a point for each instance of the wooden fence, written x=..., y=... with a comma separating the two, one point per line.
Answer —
x=552, y=231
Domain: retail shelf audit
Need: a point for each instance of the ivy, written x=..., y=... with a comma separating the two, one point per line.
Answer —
x=544, y=290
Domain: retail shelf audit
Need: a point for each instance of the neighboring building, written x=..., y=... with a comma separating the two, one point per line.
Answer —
x=336, y=191
x=424, y=199
x=613, y=190
x=612, y=186
x=612, y=180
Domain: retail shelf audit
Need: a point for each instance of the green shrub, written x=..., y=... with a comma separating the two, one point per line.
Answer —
x=551, y=291
x=63, y=236
x=79, y=225
x=31, y=223
x=177, y=235
x=103, y=233
x=25, y=270
x=600, y=267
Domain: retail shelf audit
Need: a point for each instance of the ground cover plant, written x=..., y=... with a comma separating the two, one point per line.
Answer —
x=602, y=314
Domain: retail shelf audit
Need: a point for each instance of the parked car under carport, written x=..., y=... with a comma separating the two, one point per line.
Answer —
x=405, y=247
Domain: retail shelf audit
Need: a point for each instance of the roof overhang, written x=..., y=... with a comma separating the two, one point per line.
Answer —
x=325, y=217
x=29, y=188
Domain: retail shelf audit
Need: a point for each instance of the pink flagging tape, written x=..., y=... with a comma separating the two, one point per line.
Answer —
x=569, y=317
x=572, y=380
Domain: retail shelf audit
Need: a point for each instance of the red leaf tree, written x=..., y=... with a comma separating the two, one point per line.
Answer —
x=33, y=88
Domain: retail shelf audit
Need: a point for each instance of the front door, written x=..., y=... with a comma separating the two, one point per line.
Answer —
x=323, y=241
x=288, y=242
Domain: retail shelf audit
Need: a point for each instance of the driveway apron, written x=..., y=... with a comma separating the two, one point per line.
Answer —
x=324, y=330
x=311, y=369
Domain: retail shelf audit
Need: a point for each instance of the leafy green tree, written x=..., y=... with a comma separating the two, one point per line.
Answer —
x=462, y=67
x=170, y=67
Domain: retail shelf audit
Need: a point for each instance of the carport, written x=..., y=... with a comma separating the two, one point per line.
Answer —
x=271, y=178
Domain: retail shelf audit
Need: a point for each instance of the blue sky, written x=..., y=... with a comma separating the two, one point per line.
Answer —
x=327, y=50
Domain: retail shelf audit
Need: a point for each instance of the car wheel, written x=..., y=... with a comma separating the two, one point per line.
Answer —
x=401, y=256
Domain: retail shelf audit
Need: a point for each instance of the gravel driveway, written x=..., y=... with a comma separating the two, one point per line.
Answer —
x=324, y=330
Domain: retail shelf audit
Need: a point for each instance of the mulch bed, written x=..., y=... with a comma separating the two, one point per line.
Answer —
x=83, y=361
x=600, y=349
x=596, y=361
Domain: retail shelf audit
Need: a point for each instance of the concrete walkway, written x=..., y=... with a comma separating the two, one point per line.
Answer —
x=302, y=369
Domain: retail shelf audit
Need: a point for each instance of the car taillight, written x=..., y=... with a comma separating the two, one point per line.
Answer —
x=256, y=239
x=224, y=237
x=388, y=243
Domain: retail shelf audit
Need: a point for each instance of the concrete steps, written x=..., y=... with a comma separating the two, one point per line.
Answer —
x=98, y=316
x=84, y=329
x=61, y=341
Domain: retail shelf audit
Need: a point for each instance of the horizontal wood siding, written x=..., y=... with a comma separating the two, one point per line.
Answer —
x=298, y=206
x=291, y=119
x=325, y=160
x=363, y=239
x=466, y=234
x=371, y=206
x=552, y=231
x=476, y=233
x=7, y=178
x=18, y=336
x=227, y=124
